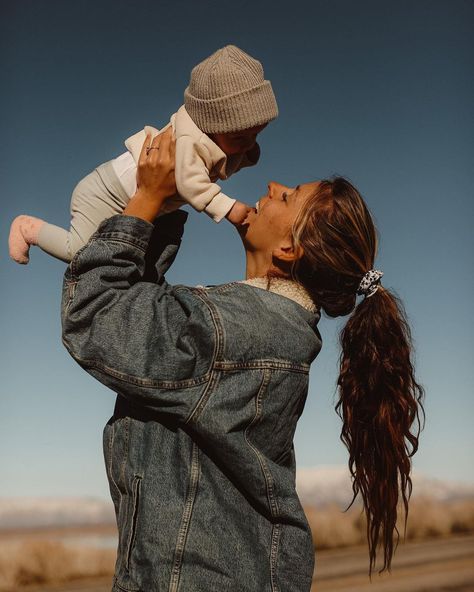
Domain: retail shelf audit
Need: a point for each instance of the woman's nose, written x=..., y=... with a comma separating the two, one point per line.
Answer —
x=275, y=188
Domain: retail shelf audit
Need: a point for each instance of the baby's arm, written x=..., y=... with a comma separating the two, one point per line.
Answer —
x=193, y=182
x=238, y=213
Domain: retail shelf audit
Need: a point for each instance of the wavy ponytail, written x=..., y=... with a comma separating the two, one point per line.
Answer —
x=380, y=402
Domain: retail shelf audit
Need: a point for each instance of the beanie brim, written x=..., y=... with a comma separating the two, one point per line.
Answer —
x=249, y=108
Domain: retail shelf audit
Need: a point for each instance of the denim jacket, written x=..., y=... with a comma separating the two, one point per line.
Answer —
x=210, y=384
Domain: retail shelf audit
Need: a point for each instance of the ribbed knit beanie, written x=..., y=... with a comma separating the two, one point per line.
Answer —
x=227, y=92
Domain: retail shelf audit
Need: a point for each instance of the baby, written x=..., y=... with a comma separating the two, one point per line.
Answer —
x=227, y=103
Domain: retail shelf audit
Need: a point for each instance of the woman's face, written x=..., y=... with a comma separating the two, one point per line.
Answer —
x=268, y=226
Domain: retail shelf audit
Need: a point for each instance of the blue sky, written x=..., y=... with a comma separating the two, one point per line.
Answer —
x=380, y=92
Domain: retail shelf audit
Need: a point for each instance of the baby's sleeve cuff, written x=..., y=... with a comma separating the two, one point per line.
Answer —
x=219, y=206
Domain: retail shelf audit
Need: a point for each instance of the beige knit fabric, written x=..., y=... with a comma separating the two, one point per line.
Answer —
x=227, y=92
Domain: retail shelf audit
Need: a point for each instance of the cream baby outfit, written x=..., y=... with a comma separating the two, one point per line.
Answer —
x=199, y=163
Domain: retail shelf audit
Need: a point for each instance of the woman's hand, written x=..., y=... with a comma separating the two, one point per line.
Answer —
x=155, y=177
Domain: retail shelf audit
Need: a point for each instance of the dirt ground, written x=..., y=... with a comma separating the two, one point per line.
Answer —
x=443, y=565
x=432, y=566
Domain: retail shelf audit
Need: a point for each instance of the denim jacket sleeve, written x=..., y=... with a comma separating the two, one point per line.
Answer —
x=147, y=340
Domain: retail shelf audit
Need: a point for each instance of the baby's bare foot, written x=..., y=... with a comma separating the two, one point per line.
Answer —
x=24, y=232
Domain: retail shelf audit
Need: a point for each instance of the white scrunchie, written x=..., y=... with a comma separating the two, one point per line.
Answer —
x=369, y=284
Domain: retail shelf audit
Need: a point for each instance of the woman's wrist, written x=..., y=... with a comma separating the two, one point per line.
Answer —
x=144, y=205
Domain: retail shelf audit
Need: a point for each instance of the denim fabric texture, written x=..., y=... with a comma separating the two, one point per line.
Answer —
x=210, y=384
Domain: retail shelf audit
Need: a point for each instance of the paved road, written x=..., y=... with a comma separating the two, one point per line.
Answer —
x=436, y=566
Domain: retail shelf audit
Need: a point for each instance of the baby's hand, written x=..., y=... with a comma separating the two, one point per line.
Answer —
x=238, y=213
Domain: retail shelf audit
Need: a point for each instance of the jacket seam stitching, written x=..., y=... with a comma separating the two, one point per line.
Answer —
x=126, y=451
x=136, y=485
x=276, y=530
x=115, y=238
x=272, y=501
x=225, y=365
x=122, y=470
x=143, y=382
x=218, y=346
x=185, y=521
x=110, y=466
x=198, y=408
x=117, y=584
x=122, y=540
x=70, y=285
x=266, y=473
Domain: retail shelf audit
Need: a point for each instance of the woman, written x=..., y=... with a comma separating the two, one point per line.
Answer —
x=211, y=382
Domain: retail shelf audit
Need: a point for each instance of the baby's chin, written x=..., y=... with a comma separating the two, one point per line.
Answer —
x=232, y=152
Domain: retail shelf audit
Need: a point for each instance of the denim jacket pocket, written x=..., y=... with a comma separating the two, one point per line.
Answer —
x=135, y=501
x=125, y=578
x=69, y=287
x=107, y=446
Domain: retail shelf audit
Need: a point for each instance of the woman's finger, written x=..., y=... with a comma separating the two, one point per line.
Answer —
x=172, y=147
x=154, y=150
x=159, y=147
x=165, y=143
x=143, y=152
x=157, y=140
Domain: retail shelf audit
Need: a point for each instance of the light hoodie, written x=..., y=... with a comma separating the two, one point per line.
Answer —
x=199, y=163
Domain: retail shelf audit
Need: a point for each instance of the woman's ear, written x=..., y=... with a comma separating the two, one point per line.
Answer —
x=287, y=252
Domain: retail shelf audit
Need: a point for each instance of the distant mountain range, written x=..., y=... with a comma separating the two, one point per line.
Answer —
x=320, y=486
x=37, y=512
x=316, y=487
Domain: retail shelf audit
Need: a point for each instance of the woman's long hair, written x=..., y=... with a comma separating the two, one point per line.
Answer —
x=379, y=399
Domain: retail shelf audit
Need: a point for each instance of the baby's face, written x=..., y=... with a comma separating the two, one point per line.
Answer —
x=237, y=142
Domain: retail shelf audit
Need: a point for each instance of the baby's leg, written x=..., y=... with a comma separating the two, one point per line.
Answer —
x=96, y=197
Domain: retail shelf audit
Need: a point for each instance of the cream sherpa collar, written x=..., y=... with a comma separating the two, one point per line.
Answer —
x=284, y=287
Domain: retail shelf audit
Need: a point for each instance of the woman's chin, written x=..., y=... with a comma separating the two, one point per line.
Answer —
x=243, y=227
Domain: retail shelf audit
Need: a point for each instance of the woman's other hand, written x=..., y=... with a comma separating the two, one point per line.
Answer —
x=155, y=177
